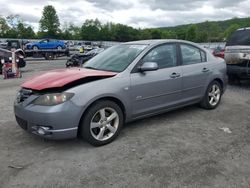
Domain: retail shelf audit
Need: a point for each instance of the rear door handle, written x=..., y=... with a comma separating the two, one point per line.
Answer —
x=175, y=75
x=205, y=70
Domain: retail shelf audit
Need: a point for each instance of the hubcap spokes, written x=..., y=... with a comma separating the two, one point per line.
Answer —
x=104, y=124
x=214, y=95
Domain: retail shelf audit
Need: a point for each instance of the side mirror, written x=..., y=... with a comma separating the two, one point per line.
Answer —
x=148, y=66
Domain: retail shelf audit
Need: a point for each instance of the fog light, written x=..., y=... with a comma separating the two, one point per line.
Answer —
x=42, y=130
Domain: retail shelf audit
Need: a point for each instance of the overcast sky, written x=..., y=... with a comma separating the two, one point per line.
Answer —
x=136, y=13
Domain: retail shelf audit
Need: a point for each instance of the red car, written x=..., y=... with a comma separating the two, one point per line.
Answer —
x=219, y=52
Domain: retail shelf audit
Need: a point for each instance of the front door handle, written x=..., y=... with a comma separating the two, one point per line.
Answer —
x=205, y=69
x=175, y=75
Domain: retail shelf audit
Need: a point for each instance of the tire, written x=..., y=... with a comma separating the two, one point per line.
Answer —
x=96, y=128
x=212, y=96
x=49, y=56
x=35, y=48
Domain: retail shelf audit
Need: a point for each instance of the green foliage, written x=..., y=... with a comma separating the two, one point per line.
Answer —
x=13, y=27
x=229, y=31
x=90, y=30
x=49, y=23
x=4, y=28
x=93, y=30
x=191, y=33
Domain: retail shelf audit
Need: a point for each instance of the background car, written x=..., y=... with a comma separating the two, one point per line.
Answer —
x=237, y=55
x=219, y=52
x=122, y=84
x=46, y=44
x=77, y=60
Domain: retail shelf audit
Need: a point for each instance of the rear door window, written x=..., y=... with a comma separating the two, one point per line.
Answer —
x=192, y=55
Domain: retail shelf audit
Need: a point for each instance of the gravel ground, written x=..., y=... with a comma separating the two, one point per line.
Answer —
x=183, y=148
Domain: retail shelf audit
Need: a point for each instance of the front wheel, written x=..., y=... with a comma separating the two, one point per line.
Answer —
x=102, y=123
x=212, y=96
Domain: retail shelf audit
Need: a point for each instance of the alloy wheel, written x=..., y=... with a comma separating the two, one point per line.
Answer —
x=214, y=95
x=104, y=124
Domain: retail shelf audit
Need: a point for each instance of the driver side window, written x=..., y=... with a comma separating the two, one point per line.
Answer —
x=163, y=55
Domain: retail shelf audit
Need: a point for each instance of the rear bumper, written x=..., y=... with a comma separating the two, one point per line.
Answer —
x=241, y=71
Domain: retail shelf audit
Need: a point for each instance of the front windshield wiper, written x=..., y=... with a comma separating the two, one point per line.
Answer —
x=89, y=67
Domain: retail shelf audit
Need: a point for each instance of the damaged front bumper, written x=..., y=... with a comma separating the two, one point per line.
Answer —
x=51, y=122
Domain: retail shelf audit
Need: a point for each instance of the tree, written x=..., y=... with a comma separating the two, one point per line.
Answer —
x=49, y=23
x=230, y=30
x=3, y=27
x=13, y=20
x=191, y=33
x=90, y=29
x=156, y=34
x=166, y=34
x=181, y=34
x=213, y=29
x=24, y=31
x=145, y=34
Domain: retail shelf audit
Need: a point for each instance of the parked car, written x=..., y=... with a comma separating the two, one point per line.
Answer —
x=46, y=44
x=3, y=45
x=77, y=60
x=219, y=52
x=237, y=54
x=122, y=84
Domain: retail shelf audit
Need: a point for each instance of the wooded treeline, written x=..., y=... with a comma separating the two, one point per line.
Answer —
x=210, y=31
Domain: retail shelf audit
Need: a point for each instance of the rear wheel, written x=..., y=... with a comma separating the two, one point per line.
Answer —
x=102, y=123
x=35, y=48
x=212, y=96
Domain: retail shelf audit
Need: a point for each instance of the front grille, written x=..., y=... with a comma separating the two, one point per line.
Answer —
x=23, y=95
x=22, y=123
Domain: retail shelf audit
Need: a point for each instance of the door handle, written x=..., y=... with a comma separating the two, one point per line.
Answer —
x=175, y=75
x=205, y=69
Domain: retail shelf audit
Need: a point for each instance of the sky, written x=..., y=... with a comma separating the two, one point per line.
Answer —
x=135, y=13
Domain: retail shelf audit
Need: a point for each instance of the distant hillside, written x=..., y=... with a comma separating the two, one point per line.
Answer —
x=208, y=31
x=223, y=25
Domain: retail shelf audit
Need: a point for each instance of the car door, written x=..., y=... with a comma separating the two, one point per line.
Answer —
x=195, y=72
x=50, y=44
x=43, y=44
x=154, y=91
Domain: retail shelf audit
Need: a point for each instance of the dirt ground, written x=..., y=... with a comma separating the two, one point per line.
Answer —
x=183, y=148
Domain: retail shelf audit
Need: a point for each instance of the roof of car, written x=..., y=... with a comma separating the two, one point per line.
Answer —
x=156, y=41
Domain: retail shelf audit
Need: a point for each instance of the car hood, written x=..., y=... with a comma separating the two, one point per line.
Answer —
x=62, y=77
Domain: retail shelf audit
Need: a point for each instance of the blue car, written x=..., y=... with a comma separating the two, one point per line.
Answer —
x=46, y=44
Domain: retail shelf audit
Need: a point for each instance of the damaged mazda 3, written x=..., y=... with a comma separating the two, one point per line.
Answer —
x=124, y=83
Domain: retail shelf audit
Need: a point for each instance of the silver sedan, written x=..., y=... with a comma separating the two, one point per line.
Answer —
x=122, y=84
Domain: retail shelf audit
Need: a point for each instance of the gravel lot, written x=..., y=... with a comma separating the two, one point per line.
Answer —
x=183, y=148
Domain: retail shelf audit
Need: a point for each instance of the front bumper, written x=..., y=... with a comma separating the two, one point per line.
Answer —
x=51, y=122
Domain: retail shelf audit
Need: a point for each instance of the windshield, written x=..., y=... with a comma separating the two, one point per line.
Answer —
x=116, y=58
x=240, y=37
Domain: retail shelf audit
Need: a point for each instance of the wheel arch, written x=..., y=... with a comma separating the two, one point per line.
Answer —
x=110, y=98
x=34, y=45
x=220, y=82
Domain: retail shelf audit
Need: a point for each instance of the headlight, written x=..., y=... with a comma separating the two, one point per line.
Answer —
x=53, y=99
